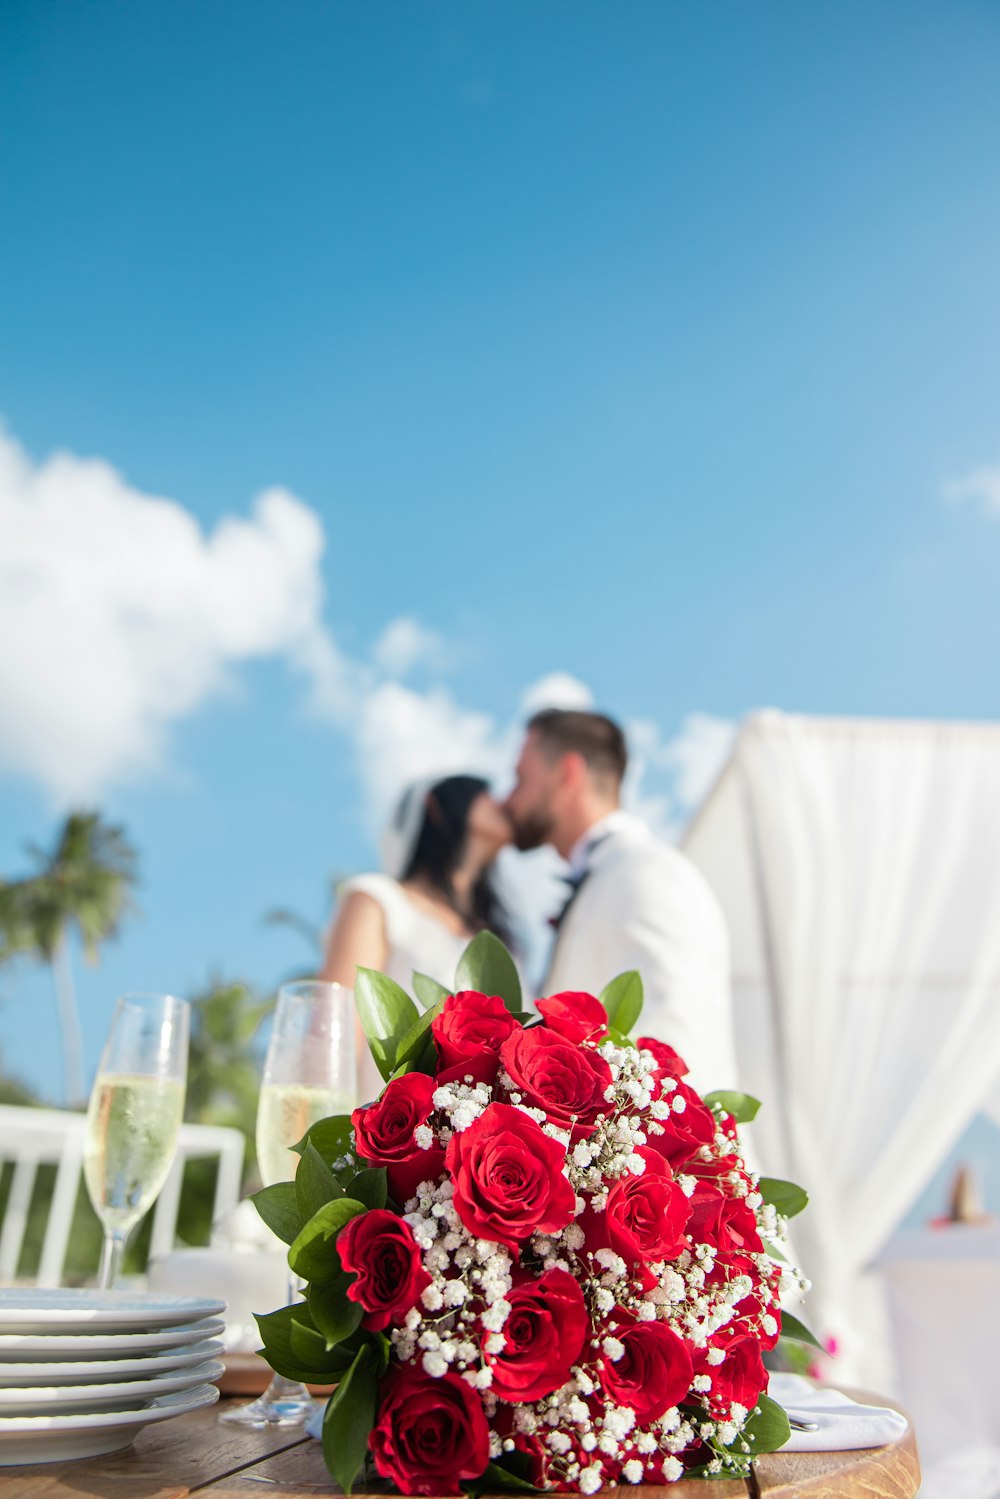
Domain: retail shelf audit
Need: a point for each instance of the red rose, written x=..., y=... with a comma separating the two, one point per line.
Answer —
x=431, y=1434
x=468, y=1035
x=567, y=1081
x=544, y=1336
x=508, y=1178
x=668, y=1062
x=384, y=1132
x=646, y=1215
x=653, y=1373
x=741, y=1376
x=724, y=1221
x=577, y=1017
x=684, y=1131
x=380, y=1251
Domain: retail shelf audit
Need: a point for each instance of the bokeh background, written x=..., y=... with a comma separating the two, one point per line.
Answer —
x=373, y=373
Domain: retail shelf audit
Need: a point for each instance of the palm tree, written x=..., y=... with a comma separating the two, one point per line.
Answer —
x=86, y=883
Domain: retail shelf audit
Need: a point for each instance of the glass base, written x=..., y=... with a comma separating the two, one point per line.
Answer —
x=285, y=1402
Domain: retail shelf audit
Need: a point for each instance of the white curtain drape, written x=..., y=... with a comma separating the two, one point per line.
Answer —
x=865, y=905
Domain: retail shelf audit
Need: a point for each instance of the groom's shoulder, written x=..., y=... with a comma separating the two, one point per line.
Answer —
x=636, y=852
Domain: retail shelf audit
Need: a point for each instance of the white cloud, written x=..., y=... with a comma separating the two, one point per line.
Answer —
x=119, y=616
x=557, y=690
x=980, y=487
x=406, y=643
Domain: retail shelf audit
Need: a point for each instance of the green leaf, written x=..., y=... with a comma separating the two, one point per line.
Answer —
x=791, y=1327
x=785, y=1196
x=487, y=966
x=315, y=1183
x=616, y=1036
x=349, y=1418
x=773, y=1250
x=428, y=990
x=497, y=1477
x=312, y=1254
x=333, y=1137
x=370, y=1187
x=334, y=1315
x=279, y=1208
x=766, y=1427
x=293, y=1347
x=622, y=999
x=412, y=1043
x=310, y=1346
x=386, y=1012
x=742, y=1106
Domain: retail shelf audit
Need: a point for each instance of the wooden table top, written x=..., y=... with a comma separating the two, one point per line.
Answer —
x=196, y=1455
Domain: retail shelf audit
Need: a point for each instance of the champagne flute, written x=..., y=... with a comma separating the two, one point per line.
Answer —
x=133, y=1117
x=310, y=1073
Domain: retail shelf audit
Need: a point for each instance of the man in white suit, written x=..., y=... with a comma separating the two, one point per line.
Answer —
x=633, y=901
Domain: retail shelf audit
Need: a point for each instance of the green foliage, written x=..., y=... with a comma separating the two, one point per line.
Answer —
x=499, y=1478
x=333, y=1137
x=315, y=1183
x=428, y=990
x=278, y=1206
x=786, y=1196
x=335, y=1316
x=311, y=1253
x=741, y=1106
x=225, y=1056
x=387, y=1015
x=486, y=965
x=791, y=1327
x=349, y=1418
x=766, y=1427
x=622, y=999
x=294, y=1347
x=84, y=882
x=370, y=1186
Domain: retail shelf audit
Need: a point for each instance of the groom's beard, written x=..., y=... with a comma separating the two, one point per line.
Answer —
x=532, y=831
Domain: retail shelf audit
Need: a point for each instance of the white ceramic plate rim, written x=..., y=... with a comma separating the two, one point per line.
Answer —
x=108, y=1370
x=82, y=1345
x=178, y=1404
x=26, y=1309
x=167, y=1383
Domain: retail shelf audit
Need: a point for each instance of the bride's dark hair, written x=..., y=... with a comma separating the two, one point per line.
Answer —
x=440, y=846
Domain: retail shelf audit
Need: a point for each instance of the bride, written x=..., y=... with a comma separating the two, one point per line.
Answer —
x=436, y=893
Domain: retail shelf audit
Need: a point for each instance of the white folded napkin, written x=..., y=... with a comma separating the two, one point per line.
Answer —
x=842, y=1424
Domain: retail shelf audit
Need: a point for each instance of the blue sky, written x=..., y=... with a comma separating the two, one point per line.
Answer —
x=655, y=346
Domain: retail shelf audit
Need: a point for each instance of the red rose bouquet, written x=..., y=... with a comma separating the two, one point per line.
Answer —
x=538, y=1260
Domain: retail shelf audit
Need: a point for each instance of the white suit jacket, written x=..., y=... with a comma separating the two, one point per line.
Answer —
x=644, y=905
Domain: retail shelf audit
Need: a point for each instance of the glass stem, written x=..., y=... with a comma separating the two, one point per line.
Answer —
x=112, y=1254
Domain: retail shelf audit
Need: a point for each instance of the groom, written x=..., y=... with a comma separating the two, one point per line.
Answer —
x=633, y=902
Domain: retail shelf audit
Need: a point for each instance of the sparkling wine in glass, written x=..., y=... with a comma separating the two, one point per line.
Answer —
x=310, y=1073
x=133, y=1117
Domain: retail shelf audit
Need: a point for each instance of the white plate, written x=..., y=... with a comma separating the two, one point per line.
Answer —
x=94, y=1371
x=38, y=1310
x=18, y=1346
x=119, y=1395
x=50, y=1439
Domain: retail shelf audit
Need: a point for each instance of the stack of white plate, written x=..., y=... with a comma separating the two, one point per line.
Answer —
x=81, y=1372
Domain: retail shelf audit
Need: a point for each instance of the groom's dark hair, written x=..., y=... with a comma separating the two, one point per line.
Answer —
x=594, y=736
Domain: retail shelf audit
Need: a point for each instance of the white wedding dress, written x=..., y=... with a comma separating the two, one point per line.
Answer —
x=417, y=942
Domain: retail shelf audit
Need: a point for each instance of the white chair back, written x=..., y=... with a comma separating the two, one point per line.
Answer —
x=34, y=1137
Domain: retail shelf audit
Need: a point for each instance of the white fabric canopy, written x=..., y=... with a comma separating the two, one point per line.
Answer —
x=858, y=864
